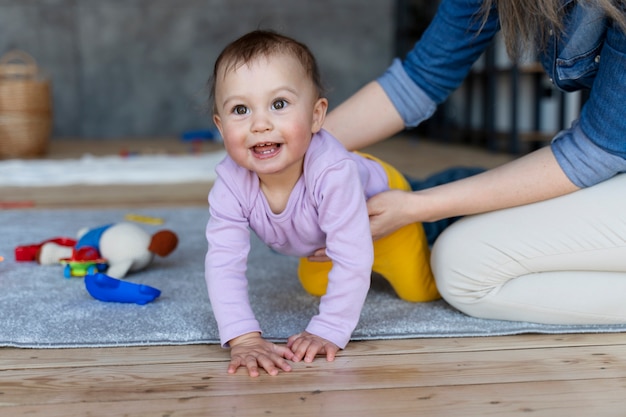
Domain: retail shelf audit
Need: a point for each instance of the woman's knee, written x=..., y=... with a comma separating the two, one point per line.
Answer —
x=459, y=262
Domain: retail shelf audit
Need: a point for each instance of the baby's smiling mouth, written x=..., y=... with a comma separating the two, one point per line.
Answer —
x=266, y=149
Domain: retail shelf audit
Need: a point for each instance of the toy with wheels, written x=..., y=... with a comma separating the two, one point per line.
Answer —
x=85, y=260
x=82, y=268
x=126, y=247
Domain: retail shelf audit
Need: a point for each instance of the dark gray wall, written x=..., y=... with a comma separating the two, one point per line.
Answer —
x=139, y=67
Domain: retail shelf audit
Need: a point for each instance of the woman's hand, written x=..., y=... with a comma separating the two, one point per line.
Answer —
x=386, y=216
x=252, y=351
x=306, y=346
x=386, y=212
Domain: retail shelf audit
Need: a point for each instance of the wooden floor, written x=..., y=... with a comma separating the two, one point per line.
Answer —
x=530, y=375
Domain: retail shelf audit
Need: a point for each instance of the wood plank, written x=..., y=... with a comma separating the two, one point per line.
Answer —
x=13, y=358
x=106, y=196
x=471, y=344
x=178, y=380
x=69, y=148
x=540, y=399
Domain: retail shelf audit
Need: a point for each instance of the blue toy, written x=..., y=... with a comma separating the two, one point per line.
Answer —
x=201, y=134
x=104, y=288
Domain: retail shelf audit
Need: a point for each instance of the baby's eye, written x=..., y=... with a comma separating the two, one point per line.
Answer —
x=279, y=104
x=240, y=109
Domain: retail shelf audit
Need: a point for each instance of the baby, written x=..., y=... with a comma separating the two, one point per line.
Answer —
x=298, y=189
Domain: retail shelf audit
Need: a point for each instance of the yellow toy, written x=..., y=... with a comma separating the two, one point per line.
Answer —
x=402, y=258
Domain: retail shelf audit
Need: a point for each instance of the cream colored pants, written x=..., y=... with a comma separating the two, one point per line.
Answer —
x=561, y=261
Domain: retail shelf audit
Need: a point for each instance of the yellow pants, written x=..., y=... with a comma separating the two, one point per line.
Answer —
x=402, y=257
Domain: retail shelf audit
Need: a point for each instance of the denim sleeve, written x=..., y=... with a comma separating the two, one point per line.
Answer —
x=409, y=99
x=453, y=41
x=594, y=149
x=583, y=161
x=440, y=61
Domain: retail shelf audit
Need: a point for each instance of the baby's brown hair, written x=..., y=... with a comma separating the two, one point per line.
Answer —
x=264, y=43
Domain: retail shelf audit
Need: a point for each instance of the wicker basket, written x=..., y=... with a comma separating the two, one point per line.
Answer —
x=25, y=107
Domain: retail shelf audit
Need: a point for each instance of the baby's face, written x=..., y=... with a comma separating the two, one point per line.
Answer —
x=267, y=111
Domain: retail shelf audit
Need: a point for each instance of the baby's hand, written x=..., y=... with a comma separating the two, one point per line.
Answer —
x=251, y=351
x=306, y=346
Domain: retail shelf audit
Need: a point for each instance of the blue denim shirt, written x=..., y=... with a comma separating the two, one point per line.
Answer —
x=590, y=53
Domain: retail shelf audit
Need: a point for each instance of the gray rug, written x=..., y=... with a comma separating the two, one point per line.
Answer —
x=42, y=309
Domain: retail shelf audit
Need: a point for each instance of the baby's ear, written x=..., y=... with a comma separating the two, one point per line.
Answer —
x=319, y=114
x=218, y=123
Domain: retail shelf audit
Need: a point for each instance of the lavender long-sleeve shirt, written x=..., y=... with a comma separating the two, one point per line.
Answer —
x=325, y=209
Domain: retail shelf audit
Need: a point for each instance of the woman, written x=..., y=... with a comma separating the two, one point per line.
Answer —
x=546, y=239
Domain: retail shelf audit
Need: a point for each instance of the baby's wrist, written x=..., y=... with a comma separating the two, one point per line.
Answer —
x=244, y=338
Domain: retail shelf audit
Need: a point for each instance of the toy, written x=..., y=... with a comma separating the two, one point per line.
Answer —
x=104, y=288
x=82, y=268
x=85, y=260
x=143, y=219
x=11, y=205
x=126, y=247
x=200, y=134
x=27, y=253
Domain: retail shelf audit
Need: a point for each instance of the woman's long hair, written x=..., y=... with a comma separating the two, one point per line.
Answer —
x=526, y=24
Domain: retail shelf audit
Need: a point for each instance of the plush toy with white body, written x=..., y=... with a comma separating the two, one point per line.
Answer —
x=125, y=246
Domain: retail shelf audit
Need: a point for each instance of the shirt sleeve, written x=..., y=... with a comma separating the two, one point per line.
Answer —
x=343, y=217
x=440, y=60
x=583, y=161
x=228, y=240
x=413, y=104
x=594, y=149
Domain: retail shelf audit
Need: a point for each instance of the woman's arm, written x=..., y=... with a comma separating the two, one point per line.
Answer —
x=367, y=117
x=408, y=92
x=534, y=177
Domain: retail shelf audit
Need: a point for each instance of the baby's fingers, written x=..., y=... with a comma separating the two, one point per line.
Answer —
x=271, y=363
x=283, y=352
x=331, y=351
x=249, y=362
x=306, y=349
